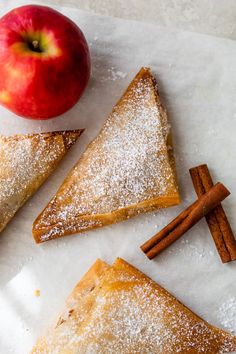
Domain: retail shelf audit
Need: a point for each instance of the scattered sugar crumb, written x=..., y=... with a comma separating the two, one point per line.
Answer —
x=37, y=293
x=113, y=75
x=227, y=315
x=184, y=241
x=192, y=250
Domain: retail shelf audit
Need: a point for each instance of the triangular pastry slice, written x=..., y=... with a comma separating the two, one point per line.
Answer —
x=121, y=310
x=127, y=169
x=85, y=286
x=79, y=301
x=26, y=161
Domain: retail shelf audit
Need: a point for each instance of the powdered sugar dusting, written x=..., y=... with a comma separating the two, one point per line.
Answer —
x=126, y=164
x=25, y=162
x=131, y=314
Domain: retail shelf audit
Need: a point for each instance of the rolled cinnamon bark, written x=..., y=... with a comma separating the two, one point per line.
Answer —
x=217, y=220
x=187, y=219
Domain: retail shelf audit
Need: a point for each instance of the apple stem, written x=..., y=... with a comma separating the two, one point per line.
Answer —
x=35, y=44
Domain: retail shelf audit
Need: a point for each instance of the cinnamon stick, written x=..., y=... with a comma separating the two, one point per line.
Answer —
x=183, y=222
x=217, y=220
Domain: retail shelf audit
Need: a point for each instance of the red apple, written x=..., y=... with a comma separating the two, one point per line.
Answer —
x=44, y=62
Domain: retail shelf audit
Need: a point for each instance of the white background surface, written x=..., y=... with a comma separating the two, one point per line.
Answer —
x=215, y=17
x=196, y=76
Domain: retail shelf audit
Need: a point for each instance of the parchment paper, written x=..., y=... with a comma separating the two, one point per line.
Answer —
x=197, y=82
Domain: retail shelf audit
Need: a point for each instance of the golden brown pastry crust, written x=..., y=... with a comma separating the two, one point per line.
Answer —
x=86, y=285
x=99, y=190
x=128, y=313
x=26, y=161
x=76, y=302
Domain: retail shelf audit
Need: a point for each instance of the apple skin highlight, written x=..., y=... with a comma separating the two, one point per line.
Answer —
x=44, y=62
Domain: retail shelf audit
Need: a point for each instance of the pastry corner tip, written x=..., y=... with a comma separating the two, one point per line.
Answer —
x=35, y=235
x=37, y=232
x=119, y=261
x=70, y=137
x=145, y=69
